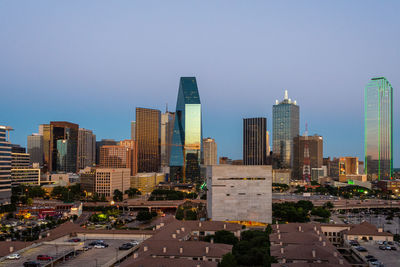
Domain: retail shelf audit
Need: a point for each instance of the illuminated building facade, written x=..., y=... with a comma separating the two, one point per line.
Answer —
x=5, y=166
x=86, y=148
x=378, y=146
x=167, y=127
x=315, y=147
x=210, y=151
x=186, y=148
x=148, y=138
x=285, y=127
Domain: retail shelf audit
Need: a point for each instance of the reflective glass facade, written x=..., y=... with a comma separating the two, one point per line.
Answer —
x=148, y=138
x=186, y=148
x=378, y=105
x=254, y=141
x=285, y=127
x=35, y=148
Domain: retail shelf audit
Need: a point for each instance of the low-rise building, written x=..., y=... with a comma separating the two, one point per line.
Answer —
x=239, y=193
x=281, y=176
x=390, y=186
x=147, y=182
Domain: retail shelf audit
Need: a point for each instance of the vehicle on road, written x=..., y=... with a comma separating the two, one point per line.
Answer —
x=14, y=256
x=44, y=258
x=126, y=246
x=31, y=264
x=75, y=240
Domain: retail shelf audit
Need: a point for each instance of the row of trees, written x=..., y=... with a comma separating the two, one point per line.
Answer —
x=164, y=194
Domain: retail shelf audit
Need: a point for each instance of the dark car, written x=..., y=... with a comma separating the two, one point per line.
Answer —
x=372, y=260
x=75, y=240
x=382, y=247
x=126, y=246
x=369, y=257
x=31, y=264
x=44, y=258
x=361, y=249
x=393, y=248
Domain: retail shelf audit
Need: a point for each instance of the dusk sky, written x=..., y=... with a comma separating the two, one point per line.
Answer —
x=93, y=62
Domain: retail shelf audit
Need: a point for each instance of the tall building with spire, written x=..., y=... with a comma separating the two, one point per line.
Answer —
x=186, y=148
x=378, y=146
x=285, y=127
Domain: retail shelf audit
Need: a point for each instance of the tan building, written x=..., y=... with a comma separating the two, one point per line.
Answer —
x=210, y=151
x=147, y=182
x=349, y=170
x=132, y=154
x=315, y=146
x=120, y=156
x=107, y=180
x=22, y=172
x=86, y=148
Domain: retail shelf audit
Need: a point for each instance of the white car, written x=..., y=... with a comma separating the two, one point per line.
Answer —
x=134, y=243
x=99, y=246
x=13, y=257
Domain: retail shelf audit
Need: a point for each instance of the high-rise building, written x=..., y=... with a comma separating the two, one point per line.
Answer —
x=148, y=138
x=268, y=148
x=132, y=155
x=285, y=126
x=114, y=156
x=133, y=130
x=186, y=149
x=46, y=132
x=167, y=127
x=35, y=148
x=17, y=149
x=64, y=146
x=378, y=147
x=348, y=170
x=21, y=170
x=86, y=148
x=5, y=166
x=99, y=144
x=210, y=151
x=254, y=141
x=314, y=144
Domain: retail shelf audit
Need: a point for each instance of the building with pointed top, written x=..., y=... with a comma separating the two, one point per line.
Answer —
x=186, y=147
x=285, y=127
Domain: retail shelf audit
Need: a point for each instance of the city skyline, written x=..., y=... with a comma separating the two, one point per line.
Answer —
x=325, y=64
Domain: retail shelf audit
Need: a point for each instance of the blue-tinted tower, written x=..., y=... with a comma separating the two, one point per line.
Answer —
x=186, y=147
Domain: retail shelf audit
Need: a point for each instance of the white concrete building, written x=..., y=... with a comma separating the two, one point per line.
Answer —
x=239, y=193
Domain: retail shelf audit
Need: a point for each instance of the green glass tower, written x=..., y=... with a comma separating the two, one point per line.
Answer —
x=186, y=147
x=378, y=147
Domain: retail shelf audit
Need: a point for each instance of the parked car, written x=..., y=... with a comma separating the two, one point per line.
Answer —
x=134, y=243
x=382, y=247
x=126, y=246
x=361, y=249
x=31, y=264
x=44, y=258
x=100, y=246
x=393, y=248
x=14, y=256
x=75, y=240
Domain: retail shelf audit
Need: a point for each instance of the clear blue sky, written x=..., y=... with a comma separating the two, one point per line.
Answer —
x=93, y=62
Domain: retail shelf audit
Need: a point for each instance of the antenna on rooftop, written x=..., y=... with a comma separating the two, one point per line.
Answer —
x=286, y=95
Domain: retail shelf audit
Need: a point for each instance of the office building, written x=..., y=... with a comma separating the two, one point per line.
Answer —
x=22, y=172
x=114, y=156
x=315, y=154
x=254, y=141
x=148, y=139
x=35, y=149
x=349, y=170
x=131, y=147
x=147, y=182
x=86, y=148
x=133, y=130
x=104, y=181
x=225, y=160
x=285, y=127
x=239, y=193
x=281, y=176
x=167, y=127
x=99, y=144
x=64, y=146
x=5, y=166
x=17, y=149
x=46, y=132
x=186, y=149
x=268, y=148
x=210, y=151
x=378, y=147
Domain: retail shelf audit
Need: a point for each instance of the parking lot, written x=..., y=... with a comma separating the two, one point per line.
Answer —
x=31, y=254
x=97, y=256
x=389, y=258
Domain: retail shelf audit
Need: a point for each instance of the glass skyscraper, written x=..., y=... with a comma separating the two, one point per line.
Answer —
x=186, y=148
x=254, y=141
x=285, y=127
x=378, y=107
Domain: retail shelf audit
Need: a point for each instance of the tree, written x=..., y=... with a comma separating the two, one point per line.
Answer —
x=224, y=237
x=144, y=215
x=328, y=205
x=321, y=212
x=132, y=192
x=29, y=202
x=228, y=260
x=118, y=195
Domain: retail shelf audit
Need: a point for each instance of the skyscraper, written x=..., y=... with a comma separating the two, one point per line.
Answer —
x=254, y=141
x=167, y=126
x=46, y=132
x=35, y=148
x=63, y=146
x=133, y=130
x=99, y=144
x=285, y=126
x=314, y=145
x=86, y=148
x=210, y=151
x=132, y=154
x=5, y=166
x=378, y=147
x=186, y=149
x=148, y=138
